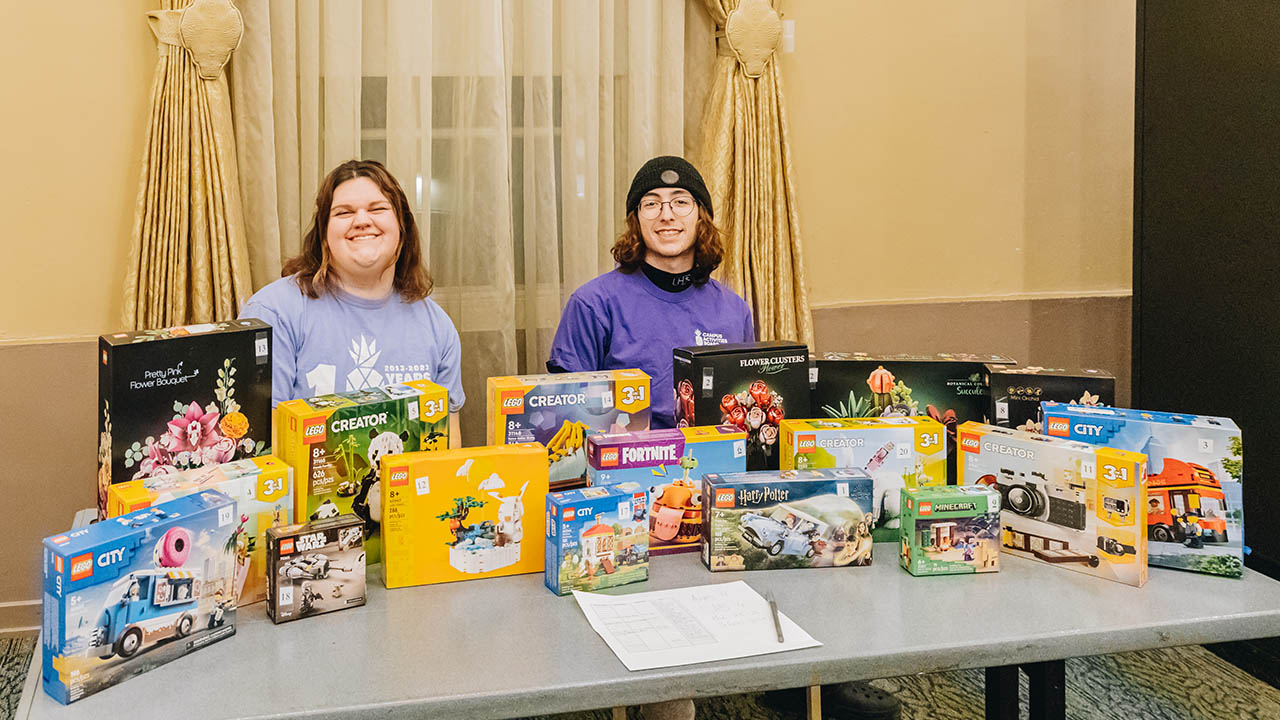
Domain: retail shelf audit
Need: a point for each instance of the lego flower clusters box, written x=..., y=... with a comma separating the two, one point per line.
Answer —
x=1016, y=392
x=1063, y=502
x=950, y=530
x=180, y=398
x=315, y=568
x=126, y=595
x=597, y=538
x=1195, y=470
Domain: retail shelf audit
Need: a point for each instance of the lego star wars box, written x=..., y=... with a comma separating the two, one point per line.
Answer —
x=597, y=537
x=752, y=386
x=770, y=520
x=180, y=398
x=950, y=530
x=336, y=443
x=126, y=595
x=315, y=568
x=460, y=514
x=1063, y=502
x=1195, y=471
x=561, y=410
x=1016, y=392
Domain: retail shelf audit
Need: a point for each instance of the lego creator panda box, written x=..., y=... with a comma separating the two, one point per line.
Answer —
x=791, y=519
x=126, y=595
x=1195, y=470
x=315, y=568
x=597, y=537
x=1016, y=392
x=181, y=397
x=1068, y=503
x=460, y=514
x=950, y=530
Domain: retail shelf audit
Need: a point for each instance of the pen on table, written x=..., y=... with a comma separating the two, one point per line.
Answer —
x=777, y=623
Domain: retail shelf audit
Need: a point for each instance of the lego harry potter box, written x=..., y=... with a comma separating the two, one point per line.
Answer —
x=1016, y=392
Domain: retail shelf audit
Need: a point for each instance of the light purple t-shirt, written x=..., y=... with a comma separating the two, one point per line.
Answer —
x=339, y=342
x=622, y=320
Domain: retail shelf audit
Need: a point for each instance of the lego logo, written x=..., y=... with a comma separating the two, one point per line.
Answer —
x=724, y=497
x=1058, y=427
x=286, y=546
x=512, y=402
x=970, y=443
x=57, y=564
x=313, y=431
x=81, y=566
x=609, y=457
x=568, y=514
x=806, y=443
x=399, y=476
x=60, y=539
x=926, y=508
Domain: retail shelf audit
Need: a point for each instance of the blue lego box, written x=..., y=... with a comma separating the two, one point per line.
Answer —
x=597, y=538
x=126, y=595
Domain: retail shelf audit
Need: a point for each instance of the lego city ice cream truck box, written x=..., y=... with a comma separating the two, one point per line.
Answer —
x=1016, y=392
x=1195, y=471
x=315, y=568
x=597, y=537
x=770, y=520
x=950, y=530
x=1068, y=503
x=126, y=595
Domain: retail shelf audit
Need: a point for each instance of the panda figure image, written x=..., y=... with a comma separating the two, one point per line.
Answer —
x=328, y=509
x=367, y=504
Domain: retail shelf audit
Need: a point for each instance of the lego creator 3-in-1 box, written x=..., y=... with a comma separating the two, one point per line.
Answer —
x=752, y=386
x=669, y=463
x=336, y=444
x=950, y=530
x=315, y=568
x=1063, y=502
x=460, y=514
x=1016, y=392
x=1195, y=471
x=770, y=520
x=126, y=595
x=180, y=398
x=561, y=410
x=597, y=537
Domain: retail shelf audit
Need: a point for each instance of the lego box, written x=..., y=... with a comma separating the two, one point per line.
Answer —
x=460, y=514
x=315, y=568
x=180, y=398
x=126, y=595
x=950, y=530
x=1016, y=392
x=1063, y=502
x=1195, y=470
x=597, y=538
x=770, y=520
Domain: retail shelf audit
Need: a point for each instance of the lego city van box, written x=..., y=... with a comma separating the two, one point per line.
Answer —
x=597, y=537
x=336, y=444
x=669, y=463
x=560, y=410
x=126, y=595
x=1063, y=502
x=460, y=514
x=752, y=386
x=180, y=398
x=770, y=520
x=1195, y=471
x=950, y=530
x=1016, y=392
x=315, y=568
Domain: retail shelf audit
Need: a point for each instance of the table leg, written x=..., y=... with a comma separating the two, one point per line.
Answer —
x=1002, y=692
x=813, y=702
x=620, y=713
x=1048, y=681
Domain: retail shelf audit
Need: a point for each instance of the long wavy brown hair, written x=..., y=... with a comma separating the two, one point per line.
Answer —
x=312, y=265
x=708, y=250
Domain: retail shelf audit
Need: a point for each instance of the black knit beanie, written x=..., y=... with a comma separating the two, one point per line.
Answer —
x=668, y=171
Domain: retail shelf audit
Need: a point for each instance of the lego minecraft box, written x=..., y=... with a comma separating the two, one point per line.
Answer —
x=315, y=568
x=1016, y=392
x=950, y=530
x=597, y=537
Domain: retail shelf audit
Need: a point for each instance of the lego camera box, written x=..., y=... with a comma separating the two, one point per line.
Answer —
x=336, y=444
x=1195, y=471
x=597, y=537
x=460, y=514
x=752, y=386
x=180, y=398
x=770, y=520
x=669, y=463
x=315, y=568
x=560, y=410
x=1016, y=392
x=950, y=530
x=126, y=595
x=1063, y=502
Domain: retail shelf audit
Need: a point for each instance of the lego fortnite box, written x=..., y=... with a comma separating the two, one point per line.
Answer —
x=263, y=490
x=752, y=386
x=560, y=410
x=336, y=443
x=791, y=519
x=1063, y=502
x=459, y=514
x=315, y=568
x=669, y=463
x=1016, y=392
x=950, y=530
x=180, y=398
x=126, y=595
x=1195, y=470
x=597, y=538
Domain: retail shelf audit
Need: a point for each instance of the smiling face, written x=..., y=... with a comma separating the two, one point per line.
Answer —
x=669, y=237
x=363, y=233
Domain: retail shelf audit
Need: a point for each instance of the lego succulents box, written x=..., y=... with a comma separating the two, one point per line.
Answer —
x=793, y=519
x=315, y=568
x=1016, y=392
x=597, y=537
x=181, y=397
x=950, y=530
x=126, y=595
x=1195, y=471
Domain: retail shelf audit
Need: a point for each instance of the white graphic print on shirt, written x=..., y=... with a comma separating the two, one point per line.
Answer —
x=364, y=354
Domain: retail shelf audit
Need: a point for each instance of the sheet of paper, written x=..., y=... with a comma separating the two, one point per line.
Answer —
x=689, y=625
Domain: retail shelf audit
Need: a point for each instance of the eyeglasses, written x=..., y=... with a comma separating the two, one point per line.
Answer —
x=680, y=207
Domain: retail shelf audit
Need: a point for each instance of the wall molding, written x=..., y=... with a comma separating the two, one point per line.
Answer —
x=19, y=616
x=955, y=299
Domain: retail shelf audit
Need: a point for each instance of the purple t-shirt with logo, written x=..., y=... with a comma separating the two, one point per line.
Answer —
x=622, y=320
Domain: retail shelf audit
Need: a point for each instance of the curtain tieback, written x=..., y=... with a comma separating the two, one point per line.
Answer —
x=751, y=34
x=210, y=30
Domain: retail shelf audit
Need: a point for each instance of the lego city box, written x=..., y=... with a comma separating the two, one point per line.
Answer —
x=1063, y=502
x=770, y=520
x=950, y=530
x=597, y=537
x=1016, y=392
x=315, y=568
x=181, y=397
x=460, y=514
x=1195, y=471
x=126, y=595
